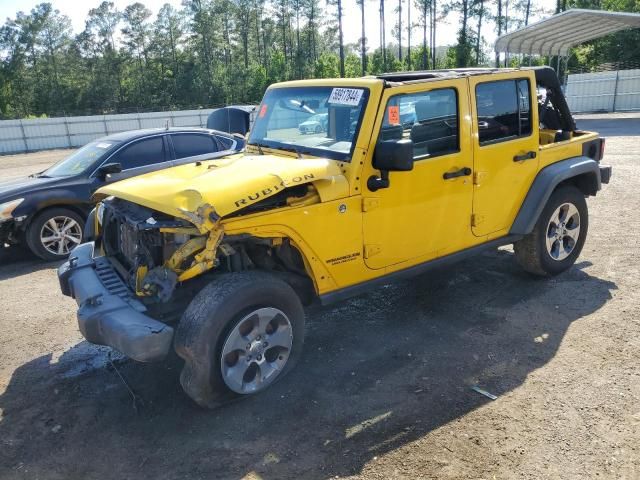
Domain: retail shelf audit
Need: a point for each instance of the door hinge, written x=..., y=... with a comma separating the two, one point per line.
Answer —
x=370, y=203
x=476, y=219
x=479, y=177
x=371, y=250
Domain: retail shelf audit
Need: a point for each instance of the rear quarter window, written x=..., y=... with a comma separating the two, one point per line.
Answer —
x=189, y=145
x=226, y=143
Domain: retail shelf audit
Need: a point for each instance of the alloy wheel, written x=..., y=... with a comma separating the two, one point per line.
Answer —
x=563, y=231
x=256, y=350
x=59, y=235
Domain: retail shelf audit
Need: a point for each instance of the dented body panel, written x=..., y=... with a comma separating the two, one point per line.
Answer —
x=228, y=184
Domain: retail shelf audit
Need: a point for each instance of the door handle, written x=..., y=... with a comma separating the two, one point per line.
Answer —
x=524, y=156
x=463, y=172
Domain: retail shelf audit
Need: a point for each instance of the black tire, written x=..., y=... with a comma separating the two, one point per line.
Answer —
x=532, y=252
x=35, y=228
x=213, y=315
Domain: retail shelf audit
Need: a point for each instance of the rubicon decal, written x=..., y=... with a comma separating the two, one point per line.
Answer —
x=265, y=192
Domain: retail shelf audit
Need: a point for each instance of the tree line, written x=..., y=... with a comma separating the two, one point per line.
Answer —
x=215, y=52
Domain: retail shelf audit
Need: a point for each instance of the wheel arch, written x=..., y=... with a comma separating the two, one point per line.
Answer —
x=582, y=172
x=280, y=236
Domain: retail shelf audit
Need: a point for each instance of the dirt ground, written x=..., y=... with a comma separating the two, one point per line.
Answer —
x=383, y=388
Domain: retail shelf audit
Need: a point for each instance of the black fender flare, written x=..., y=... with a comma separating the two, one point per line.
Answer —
x=88, y=234
x=545, y=183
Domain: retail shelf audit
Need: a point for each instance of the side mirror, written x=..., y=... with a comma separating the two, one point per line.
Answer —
x=390, y=156
x=105, y=170
x=394, y=155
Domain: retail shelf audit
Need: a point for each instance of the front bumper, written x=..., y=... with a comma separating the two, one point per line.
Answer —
x=9, y=232
x=109, y=314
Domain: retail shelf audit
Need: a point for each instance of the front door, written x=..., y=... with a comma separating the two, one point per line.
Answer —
x=505, y=149
x=425, y=212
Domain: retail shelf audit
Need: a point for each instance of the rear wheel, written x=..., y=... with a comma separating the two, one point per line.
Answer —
x=240, y=334
x=54, y=233
x=559, y=235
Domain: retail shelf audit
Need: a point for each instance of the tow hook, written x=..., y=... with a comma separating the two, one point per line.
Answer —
x=94, y=301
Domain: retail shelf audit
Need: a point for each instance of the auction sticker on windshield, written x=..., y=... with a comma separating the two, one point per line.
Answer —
x=346, y=96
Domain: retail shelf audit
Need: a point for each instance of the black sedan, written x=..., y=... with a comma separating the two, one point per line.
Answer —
x=47, y=211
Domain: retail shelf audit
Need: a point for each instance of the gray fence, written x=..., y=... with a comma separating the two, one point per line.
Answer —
x=604, y=91
x=17, y=136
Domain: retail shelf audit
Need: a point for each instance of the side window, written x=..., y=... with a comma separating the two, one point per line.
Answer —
x=227, y=143
x=189, y=145
x=504, y=110
x=142, y=153
x=429, y=119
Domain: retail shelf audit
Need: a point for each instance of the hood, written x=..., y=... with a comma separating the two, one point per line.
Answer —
x=19, y=187
x=228, y=184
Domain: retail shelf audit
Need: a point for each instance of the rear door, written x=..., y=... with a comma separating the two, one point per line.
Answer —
x=505, y=148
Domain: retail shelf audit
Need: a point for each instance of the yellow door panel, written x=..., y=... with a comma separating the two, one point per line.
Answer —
x=422, y=213
x=505, y=146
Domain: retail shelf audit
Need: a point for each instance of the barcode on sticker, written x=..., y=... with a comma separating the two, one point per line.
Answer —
x=346, y=96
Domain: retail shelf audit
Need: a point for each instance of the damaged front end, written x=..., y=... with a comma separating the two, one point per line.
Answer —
x=153, y=251
x=159, y=236
x=166, y=228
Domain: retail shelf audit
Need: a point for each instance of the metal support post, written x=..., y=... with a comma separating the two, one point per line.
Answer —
x=615, y=90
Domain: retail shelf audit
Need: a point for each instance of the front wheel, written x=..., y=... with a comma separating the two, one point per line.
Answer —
x=558, y=236
x=53, y=233
x=239, y=335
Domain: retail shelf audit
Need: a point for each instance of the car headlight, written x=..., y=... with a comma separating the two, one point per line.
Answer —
x=7, y=208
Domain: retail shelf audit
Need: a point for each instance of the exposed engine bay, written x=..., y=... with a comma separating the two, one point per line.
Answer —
x=154, y=252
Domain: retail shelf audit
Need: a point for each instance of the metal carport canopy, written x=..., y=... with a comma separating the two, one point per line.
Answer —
x=557, y=34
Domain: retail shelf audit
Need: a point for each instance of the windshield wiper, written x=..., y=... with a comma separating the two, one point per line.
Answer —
x=293, y=149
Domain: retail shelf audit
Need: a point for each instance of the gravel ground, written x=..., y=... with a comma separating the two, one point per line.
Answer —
x=383, y=388
x=16, y=166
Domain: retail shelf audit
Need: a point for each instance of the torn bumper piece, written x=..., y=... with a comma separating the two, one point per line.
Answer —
x=109, y=314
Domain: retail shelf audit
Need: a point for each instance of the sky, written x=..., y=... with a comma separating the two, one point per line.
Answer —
x=77, y=11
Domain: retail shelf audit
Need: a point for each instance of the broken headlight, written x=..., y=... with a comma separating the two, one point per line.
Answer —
x=7, y=208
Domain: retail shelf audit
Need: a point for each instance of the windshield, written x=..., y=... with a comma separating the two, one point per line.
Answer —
x=81, y=159
x=321, y=121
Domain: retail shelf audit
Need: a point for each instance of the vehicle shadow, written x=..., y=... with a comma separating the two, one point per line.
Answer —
x=611, y=127
x=379, y=372
x=17, y=261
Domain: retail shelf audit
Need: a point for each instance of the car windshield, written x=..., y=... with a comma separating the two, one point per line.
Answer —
x=81, y=159
x=321, y=121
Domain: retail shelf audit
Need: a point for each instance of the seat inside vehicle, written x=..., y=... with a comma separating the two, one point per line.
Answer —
x=436, y=129
x=392, y=132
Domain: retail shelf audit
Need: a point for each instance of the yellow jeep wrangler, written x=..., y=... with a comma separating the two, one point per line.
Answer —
x=345, y=184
